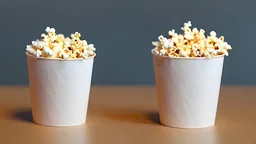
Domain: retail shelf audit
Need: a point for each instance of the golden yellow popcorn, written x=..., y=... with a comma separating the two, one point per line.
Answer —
x=52, y=45
x=192, y=43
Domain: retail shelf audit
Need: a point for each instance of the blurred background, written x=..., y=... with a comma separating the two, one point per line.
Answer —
x=122, y=32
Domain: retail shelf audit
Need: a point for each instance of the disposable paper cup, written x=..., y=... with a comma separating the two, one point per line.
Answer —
x=59, y=90
x=188, y=90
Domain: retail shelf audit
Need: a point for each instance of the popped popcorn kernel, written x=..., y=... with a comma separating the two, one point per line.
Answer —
x=192, y=43
x=52, y=45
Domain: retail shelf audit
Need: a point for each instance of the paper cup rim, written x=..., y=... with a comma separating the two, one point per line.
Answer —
x=59, y=59
x=186, y=58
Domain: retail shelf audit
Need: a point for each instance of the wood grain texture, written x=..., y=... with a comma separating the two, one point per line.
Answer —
x=128, y=115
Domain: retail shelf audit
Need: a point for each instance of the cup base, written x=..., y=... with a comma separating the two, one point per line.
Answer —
x=58, y=125
x=186, y=126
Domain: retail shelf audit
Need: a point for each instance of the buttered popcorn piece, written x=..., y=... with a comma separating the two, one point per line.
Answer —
x=192, y=43
x=52, y=45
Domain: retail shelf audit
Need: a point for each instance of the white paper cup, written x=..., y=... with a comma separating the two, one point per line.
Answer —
x=59, y=90
x=188, y=90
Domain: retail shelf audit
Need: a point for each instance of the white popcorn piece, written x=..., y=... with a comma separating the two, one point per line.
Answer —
x=47, y=29
x=188, y=24
x=175, y=39
x=172, y=32
x=43, y=35
x=30, y=50
x=189, y=36
x=34, y=43
x=225, y=46
x=52, y=30
x=195, y=30
x=157, y=52
x=206, y=54
x=91, y=46
x=163, y=51
x=183, y=53
x=38, y=53
x=72, y=36
x=85, y=54
x=213, y=34
x=90, y=52
x=48, y=51
x=156, y=44
x=225, y=52
x=65, y=56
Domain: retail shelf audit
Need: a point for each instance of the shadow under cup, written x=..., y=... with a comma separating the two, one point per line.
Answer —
x=59, y=90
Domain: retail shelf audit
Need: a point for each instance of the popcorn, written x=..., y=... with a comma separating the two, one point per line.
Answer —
x=192, y=43
x=52, y=45
x=47, y=51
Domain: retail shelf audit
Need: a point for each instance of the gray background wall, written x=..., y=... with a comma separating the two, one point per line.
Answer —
x=122, y=31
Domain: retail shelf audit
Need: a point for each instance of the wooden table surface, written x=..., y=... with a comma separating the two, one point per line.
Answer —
x=128, y=115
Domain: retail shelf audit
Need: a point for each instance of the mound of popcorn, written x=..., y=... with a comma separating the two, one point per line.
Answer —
x=192, y=43
x=52, y=45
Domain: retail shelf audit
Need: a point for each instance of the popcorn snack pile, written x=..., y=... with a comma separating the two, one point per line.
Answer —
x=52, y=45
x=193, y=43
